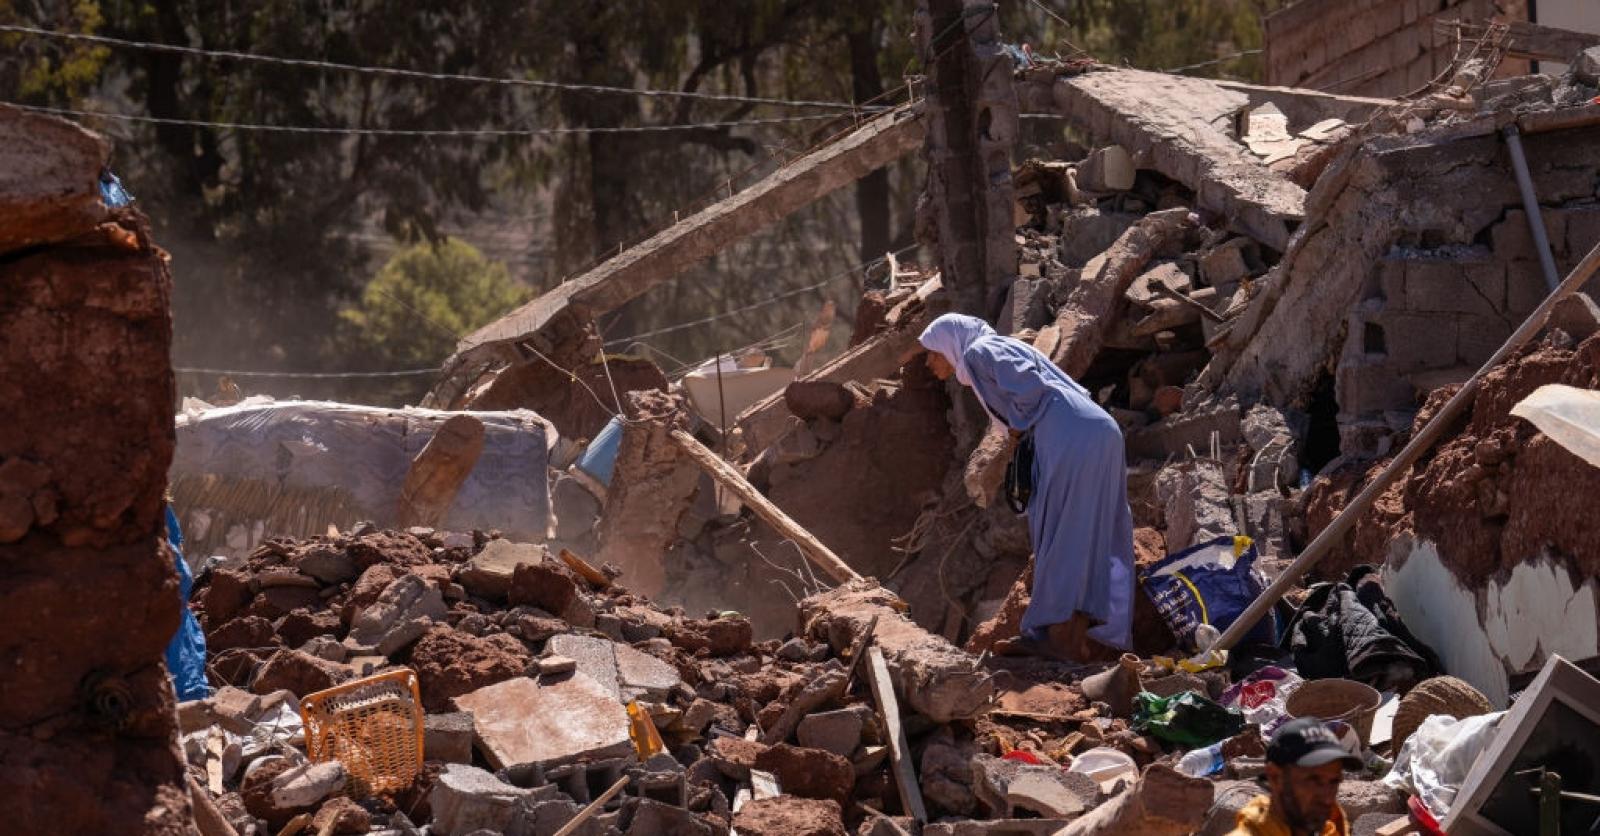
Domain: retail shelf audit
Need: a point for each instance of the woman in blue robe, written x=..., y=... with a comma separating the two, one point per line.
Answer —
x=1078, y=516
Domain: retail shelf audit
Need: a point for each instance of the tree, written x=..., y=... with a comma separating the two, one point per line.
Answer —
x=425, y=298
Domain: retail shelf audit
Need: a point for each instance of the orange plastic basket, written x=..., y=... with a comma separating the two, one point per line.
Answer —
x=373, y=726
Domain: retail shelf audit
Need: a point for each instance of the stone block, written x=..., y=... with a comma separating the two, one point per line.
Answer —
x=404, y=611
x=520, y=721
x=1582, y=233
x=1108, y=169
x=488, y=574
x=1479, y=337
x=1447, y=287
x=1525, y=288
x=1225, y=265
x=329, y=565
x=467, y=799
x=1025, y=306
x=625, y=672
x=1363, y=387
x=1512, y=239
x=448, y=737
x=1088, y=232
x=576, y=509
x=1577, y=315
x=838, y=732
x=1418, y=341
x=1194, y=495
x=1048, y=791
x=1587, y=66
x=788, y=815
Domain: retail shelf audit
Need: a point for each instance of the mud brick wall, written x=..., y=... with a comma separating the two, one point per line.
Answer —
x=1366, y=47
x=88, y=593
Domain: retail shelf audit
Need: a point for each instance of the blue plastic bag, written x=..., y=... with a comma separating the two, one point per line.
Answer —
x=1210, y=583
x=186, y=653
x=112, y=194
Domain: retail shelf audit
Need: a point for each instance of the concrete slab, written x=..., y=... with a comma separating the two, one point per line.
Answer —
x=488, y=574
x=556, y=721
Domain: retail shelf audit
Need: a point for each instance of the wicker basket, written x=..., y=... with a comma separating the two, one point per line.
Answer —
x=1336, y=699
x=373, y=726
x=1439, y=695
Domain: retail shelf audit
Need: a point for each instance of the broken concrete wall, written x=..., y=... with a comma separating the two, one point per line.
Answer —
x=1388, y=48
x=652, y=485
x=1416, y=263
x=971, y=113
x=88, y=592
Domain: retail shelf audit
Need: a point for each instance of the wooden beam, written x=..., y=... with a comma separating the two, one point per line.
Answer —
x=730, y=477
x=905, y=775
x=439, y=471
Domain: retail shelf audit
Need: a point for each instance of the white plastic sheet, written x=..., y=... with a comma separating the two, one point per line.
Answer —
x=1568, y=415
x=1437, y=757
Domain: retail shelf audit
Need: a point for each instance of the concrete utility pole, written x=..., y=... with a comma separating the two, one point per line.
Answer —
x=971, y=114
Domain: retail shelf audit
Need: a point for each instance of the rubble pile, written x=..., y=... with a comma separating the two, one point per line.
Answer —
x=529, y=665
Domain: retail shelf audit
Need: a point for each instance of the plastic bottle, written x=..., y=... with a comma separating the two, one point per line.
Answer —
x=1202, y=762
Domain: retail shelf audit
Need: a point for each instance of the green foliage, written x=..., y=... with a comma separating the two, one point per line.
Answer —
x=412, y=310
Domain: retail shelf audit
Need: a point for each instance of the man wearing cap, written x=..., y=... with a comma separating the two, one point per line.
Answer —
x=1305, y=763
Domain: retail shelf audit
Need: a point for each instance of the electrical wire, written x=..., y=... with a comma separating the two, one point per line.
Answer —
x=474, y=133
x=764, y=302
x=416, y=74
x=304, y=375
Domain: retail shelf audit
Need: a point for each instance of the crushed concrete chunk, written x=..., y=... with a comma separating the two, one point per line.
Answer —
x=838, y=732
x=1048, y=791
x=448, y=737
x=488, y=574
x=466, y=799
x=405, y=610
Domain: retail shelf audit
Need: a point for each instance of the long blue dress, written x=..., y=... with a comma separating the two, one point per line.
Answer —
x=1078, y=516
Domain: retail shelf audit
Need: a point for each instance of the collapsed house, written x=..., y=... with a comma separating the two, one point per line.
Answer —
x=1271, y=289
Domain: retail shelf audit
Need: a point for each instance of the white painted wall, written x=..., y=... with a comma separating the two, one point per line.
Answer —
x=1512, y=625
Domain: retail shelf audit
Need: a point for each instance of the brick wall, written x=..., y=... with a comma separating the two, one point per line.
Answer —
x=1367, y=47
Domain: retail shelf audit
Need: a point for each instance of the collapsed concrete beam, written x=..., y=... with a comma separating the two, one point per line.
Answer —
x=666, y=254
x=49, y=179
x=764, y=421
x=652, y=487
x=935, y=678
x=1304, y=107
x=1181, y=127
x=1087, y=316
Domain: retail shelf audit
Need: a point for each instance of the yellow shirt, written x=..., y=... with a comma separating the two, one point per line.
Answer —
x=1259, y=819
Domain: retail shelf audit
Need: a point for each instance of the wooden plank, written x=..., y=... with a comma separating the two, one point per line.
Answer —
x=594, y=807
x=733, y=480
x=439, y=471
x=905, y=776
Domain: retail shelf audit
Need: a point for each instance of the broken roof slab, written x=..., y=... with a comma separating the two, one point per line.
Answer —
x=1184, y=128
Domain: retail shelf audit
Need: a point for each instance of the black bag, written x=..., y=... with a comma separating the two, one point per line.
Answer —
x=1019, y=475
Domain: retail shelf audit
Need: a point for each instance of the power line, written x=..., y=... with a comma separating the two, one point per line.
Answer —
x=1187, y=67
x=396, y=72
x=305, y=375
x=474, y=133
x=763, y=303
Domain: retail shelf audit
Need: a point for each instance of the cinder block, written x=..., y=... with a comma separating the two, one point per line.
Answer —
x=1388, y=16
x=1418, y=341
x=1582, y=233
x=1447, y=287
x=1363, y=388
x=1525, y=288
x=1392, y=282
x=1479, y=337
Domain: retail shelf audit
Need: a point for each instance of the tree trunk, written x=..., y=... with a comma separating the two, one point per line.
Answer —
x=872, y=191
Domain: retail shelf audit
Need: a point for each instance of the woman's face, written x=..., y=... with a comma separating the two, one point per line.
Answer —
x=940, y=367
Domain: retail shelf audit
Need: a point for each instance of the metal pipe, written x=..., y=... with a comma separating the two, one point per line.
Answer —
x=1530, y=205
